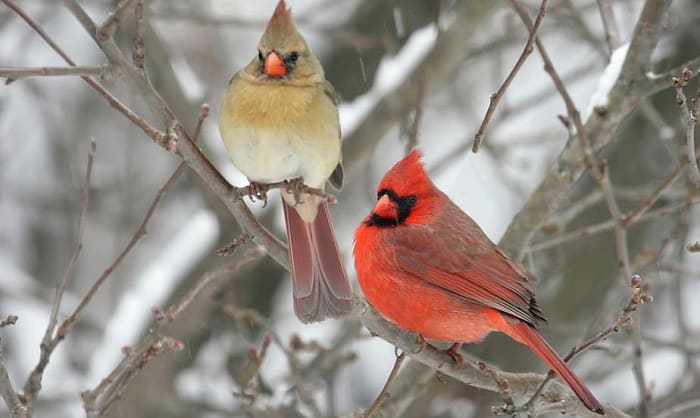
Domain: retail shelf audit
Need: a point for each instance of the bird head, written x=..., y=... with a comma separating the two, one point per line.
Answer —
x=405, y=195
x=283, y=55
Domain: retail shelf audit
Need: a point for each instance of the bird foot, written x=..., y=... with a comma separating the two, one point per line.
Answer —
x=421, y=344
x=295, y=186
x=453, y=352
x=257, y=191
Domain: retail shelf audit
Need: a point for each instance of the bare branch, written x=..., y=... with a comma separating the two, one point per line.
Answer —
x=644, y=38
x=234, y=245
x=655, y=82
x=15, y=73
x=610, y=224
x=222, y=272
x=385, y=392
x=49, y=342
x=417, y=116
x=107, y=29
x=569, y=165
x=612, y=33
x=496, y=97
x=14, y=404
x=690, y=115
x=139, y=50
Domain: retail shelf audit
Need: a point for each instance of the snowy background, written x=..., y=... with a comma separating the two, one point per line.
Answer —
x=369, y=49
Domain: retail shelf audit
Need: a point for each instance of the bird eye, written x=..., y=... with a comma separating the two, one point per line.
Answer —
x=294, y=56
x=411, y=200
x=260, y=56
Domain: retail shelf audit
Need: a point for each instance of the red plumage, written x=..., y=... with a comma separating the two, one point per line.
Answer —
x=426, y=265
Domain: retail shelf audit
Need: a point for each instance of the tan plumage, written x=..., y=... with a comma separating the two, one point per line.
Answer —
x=279, y=121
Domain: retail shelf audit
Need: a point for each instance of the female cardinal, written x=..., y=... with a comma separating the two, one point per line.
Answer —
x=427, y=266
x=279, y=121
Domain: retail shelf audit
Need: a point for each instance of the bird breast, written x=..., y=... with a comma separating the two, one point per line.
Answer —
x=274, y=132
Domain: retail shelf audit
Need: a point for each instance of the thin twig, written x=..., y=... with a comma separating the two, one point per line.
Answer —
x=107, y=29
x=631, y=217
x=676, y=410
x=224, y=271
x=385, y=393
x=7, y=391
x=15, y=73
x=140, y=233
x=622, y=248
x=234, y=245
x=655, y=82
x=49, y=341
x=509, y=407
x=417, y=116
x=152, y=132
x=139, y=50
x=599, y=171
x=690, y=114
x=496, y=97
x=612, y=33
x=610, y=224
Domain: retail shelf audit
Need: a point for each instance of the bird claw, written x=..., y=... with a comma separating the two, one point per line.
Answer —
x=421, y=344
x=257, y=191
x=453, y=352
x=295, y=187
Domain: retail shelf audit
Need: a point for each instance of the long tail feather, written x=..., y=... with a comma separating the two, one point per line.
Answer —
x=530, y=337
x=321, y=287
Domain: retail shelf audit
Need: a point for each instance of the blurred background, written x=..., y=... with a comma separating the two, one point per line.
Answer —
x=392, y=62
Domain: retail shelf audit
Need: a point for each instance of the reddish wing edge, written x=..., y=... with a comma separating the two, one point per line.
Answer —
x=463, y=261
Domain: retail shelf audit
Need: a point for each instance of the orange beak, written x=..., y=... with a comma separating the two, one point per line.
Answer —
x=386, y=208
x=274, y=65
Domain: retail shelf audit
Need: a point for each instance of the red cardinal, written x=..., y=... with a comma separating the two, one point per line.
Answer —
x=427, y=266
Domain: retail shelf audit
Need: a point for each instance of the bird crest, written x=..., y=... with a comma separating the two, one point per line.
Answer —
x=408, y=176
x=280, y=28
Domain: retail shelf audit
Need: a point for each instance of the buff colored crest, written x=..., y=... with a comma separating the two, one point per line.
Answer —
x=280, y=28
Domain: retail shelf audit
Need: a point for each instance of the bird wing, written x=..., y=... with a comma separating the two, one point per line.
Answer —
x=336, y=178
x=454, y=254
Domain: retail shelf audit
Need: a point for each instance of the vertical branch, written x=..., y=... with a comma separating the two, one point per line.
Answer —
x=418, y=115
x=612, y=33
x=8, y=393
x=49, y=342
x=690, y=116
x=139, y=50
